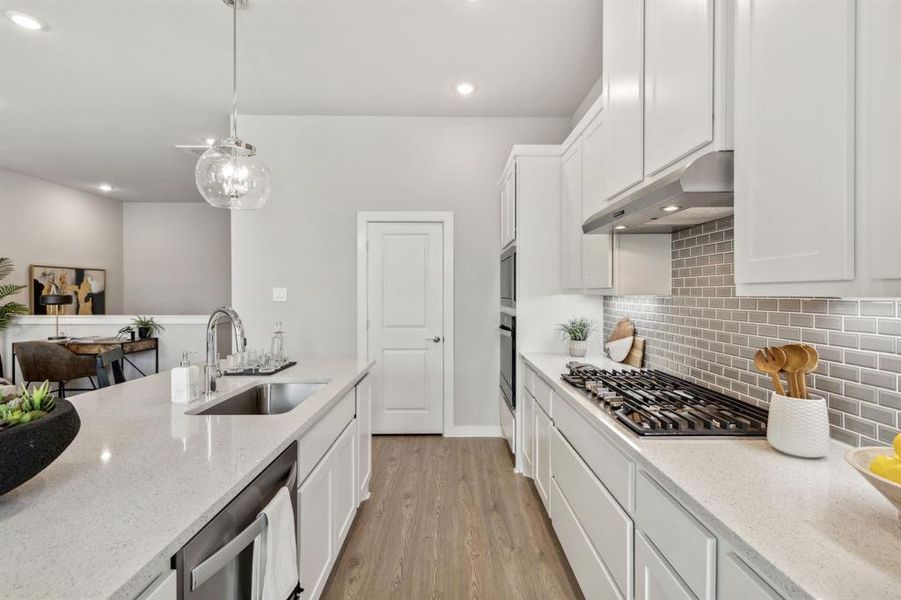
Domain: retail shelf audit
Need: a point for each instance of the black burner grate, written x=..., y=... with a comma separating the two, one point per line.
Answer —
x=651, y=402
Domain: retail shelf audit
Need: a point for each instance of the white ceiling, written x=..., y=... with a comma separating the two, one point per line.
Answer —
x=112, y=85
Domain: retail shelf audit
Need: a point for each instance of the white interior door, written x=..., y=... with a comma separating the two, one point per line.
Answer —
x=406, y=326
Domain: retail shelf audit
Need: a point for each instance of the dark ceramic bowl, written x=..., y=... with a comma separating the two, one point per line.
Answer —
x=26, y=450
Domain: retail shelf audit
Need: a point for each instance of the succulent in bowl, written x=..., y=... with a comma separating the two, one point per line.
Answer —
x=27, y=406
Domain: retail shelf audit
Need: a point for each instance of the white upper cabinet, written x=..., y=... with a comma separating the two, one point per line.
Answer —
x=508, y=206
x=678, y=79
x=623, y=81
x=794, y=140
x=596, y=147
x=817, y=91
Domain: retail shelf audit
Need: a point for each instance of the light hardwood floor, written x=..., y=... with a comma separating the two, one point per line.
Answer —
x=449, y=519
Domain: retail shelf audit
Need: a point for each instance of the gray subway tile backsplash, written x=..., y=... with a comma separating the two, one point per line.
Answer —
x=704, y=333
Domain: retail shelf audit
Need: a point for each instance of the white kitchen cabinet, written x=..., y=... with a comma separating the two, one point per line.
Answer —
x=794, y=139
x=816, y=125
x=527, y=432
x=678, y=80
x=623, y=57
x=543, y=428
x=508, y=206
x=508, y=423
x=364, y=437
x=344, y=494
x=737, y=581
x=316, y=522
x=654, y=578
x=596, y=147
x=164, y=587
x=587, y=262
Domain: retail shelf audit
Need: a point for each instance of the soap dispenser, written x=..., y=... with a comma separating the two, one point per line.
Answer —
x=185, y=381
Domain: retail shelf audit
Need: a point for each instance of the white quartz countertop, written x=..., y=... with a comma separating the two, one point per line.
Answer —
x=816, y=528
x=140, y=479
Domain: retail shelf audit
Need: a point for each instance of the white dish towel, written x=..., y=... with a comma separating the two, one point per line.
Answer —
x=275, y=551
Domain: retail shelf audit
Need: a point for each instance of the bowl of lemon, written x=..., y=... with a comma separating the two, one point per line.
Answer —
x=882, y=468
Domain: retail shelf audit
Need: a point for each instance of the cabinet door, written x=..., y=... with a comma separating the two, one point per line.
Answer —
x=165, y=587
x=316, y=539
x=595, y=178
x=738, y=582
x=571, y=217
x=508, y=207
x=794, y=141
x=623, y=57
x=879, y=132
x=344, y=483
x=678, y=80
x=527, y=408
x=597, y=261
x=654, y=578
x=508, y=423
x=543, y=428
x=364, y=437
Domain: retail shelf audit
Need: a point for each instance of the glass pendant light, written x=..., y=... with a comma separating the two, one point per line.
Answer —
x=230, y=174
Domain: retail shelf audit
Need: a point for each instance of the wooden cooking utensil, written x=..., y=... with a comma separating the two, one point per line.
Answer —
x=796, y=360
x=637, y=353
x=813, y=360
x=771, y=360
x=623, y=329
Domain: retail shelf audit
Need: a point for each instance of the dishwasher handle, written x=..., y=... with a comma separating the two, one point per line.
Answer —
x=227, y=553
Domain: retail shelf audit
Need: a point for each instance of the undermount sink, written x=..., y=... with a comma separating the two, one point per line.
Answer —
x=265, y=399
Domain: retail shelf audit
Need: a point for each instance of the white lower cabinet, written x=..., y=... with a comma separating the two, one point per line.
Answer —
x=344, y=494
x=508, y=423
x=543, y=427
x=737, y=581
x=527, y=432
x=605, y=525
x=164, y=587
x=315, y=520
x=654, y=578
x=364, y=437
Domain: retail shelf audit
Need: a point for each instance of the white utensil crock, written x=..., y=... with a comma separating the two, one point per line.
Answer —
x=799, y=427
x=578, y=348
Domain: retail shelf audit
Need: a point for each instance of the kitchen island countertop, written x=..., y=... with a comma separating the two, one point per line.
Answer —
x=140, y=479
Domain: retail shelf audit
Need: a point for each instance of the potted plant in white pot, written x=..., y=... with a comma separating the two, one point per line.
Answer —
x=577, y=330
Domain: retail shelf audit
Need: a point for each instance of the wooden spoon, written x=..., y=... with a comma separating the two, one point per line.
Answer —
x=796, y=360
x=813, y=360
x=771, y=360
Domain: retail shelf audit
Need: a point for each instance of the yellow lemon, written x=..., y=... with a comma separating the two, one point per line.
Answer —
x=888, y=467
x=896, y=444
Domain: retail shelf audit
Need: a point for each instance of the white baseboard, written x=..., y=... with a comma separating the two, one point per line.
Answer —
x=475, y=431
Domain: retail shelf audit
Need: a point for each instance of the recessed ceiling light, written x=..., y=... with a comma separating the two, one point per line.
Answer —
x=671, y=208
x=465, y=88
x=209, y=141
x=105, y=187
x=620, y=227
x=24, y=20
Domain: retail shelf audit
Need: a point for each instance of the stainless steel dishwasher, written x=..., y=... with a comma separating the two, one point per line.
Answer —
x=217, y=564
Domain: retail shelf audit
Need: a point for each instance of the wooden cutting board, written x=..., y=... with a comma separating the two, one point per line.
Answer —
x=622, y=330
x=636, y=355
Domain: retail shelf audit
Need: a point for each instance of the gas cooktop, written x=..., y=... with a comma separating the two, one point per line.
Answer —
x=653, y=403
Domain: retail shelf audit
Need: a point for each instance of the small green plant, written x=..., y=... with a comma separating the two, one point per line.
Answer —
x=27, y=406
x=141, y=321
x=577, y=329
x=9, y=310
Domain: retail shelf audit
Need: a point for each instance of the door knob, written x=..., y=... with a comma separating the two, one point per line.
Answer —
x=435, y=339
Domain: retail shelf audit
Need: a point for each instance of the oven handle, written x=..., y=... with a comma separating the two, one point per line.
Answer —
x=227, y=553
x=507, y=332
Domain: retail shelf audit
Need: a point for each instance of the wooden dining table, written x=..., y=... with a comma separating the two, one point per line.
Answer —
x=95, y=346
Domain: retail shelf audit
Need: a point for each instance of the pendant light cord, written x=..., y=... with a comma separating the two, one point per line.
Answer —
x=234, y=119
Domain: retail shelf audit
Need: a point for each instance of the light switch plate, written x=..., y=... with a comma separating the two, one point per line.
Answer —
x=279, y=294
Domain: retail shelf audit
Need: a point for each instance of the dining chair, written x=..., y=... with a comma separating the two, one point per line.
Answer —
x=112, y=360
x=46, y=361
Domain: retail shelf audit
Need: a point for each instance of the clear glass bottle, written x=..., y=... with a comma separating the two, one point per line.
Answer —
x=277, y=350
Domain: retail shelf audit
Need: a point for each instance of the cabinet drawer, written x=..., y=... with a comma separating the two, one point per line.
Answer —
x=606, y=525
x=164, y=587
x=654, y=578
x=528, y=379
x=739, y=582
x=615, y=471
x=542, y=395
x=316, y=442
x=589, y=570
x=681, y=539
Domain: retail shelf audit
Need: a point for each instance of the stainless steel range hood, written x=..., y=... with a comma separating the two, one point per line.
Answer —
x=702, y=191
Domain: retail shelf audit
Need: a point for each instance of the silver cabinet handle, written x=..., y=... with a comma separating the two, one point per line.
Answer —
x=435, y=339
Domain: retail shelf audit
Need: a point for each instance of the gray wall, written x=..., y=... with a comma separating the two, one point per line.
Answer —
x=324, y=170
x=176, y=257
x=50, y=224
x=706, y=334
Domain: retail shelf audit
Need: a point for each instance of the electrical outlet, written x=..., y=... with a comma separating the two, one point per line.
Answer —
x=279, y=294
